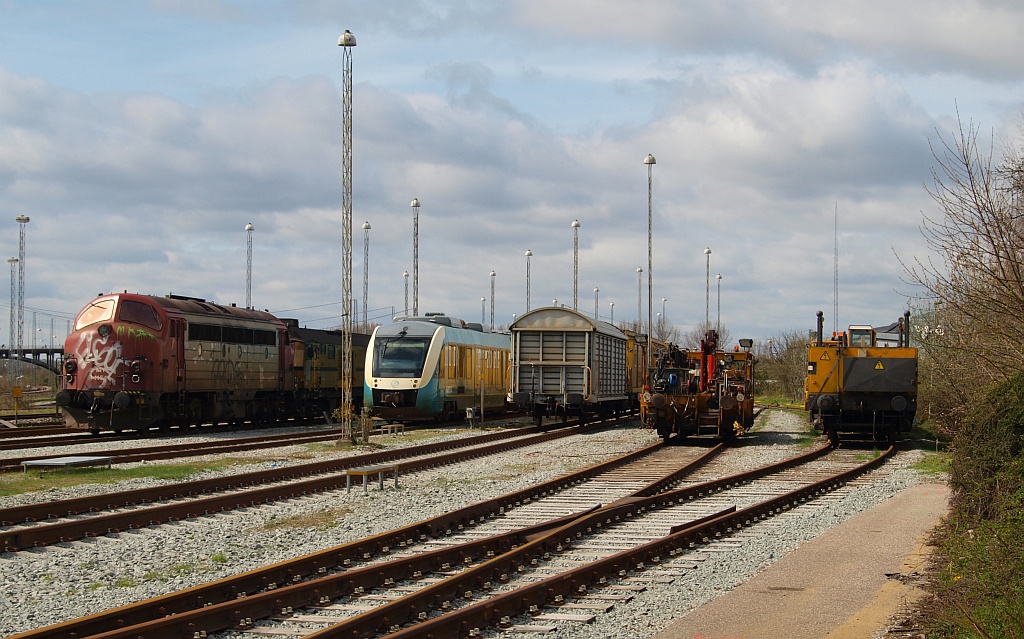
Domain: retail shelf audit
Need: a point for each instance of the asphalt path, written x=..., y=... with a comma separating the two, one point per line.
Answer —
x=847, y=583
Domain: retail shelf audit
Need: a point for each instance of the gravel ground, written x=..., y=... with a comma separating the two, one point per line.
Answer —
x=101, y=573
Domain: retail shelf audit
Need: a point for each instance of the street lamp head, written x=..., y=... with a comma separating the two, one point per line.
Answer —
x=650, y=159
x=597, y=290
x=707, y=251
x=719, y=277
x=12, y=260
x=347, y=39
x=529, y=253
x=664, y=299
x=405, y=273
x=639, y=269
x=415, y=203
x=493, y=273
x=22, y=219
x=366, y=226
x=575, y=224
x=248, y=227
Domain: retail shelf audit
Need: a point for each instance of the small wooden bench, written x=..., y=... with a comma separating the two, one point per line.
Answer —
x=366, y=471
x=67, y=462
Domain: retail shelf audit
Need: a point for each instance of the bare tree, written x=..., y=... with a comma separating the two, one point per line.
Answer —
x=974, y=286
x=782, y=365
x=692, y=338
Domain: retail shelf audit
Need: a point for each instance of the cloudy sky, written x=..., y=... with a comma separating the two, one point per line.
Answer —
x=141, y=138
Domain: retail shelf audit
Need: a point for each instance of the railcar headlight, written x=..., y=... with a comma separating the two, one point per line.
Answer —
x=136, y=366
x=70, y=366
x=104, y=330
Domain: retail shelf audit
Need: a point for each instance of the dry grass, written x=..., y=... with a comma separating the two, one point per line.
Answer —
x=320, y=519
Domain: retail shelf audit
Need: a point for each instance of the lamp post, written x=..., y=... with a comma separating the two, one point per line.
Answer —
x=248, y=265
x=415, y=204
x=347, y=41
x=405, y=309
x=492, y=299
x=366, y=268
x=663, y=300
x=639, y=296
x=650, y=162
x=483, y=301
x=718, y=322
x=612, y=307
x=529, y=254
x=707, y=287
x=597, y=292
x=575, y=263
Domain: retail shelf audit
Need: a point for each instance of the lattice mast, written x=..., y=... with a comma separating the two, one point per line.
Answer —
x=347, y=41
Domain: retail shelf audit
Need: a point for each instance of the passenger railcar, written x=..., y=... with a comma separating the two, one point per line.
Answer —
x=855, y=386
x=708, y=390
x=135, y=361
x=434, y=367
x=565, y=364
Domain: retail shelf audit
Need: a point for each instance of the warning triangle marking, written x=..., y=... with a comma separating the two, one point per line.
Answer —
x=824, y=356
x=878, y=366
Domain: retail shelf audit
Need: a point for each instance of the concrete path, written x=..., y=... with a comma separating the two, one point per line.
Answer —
x=834, y=586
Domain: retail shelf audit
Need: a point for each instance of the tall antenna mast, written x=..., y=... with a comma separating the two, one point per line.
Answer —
x=835, y=275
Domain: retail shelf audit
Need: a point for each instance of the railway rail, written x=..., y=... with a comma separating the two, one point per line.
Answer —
x=192, y=449
x=48, y=523
x=421, y=574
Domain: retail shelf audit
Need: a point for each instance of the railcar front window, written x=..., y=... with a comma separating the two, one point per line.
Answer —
x=100, y=311
x=400, y=357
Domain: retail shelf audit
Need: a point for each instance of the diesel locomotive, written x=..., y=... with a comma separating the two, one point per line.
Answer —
x=140, y=361
x=858, y=387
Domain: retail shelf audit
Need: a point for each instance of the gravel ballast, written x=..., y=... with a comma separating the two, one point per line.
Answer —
x=54, y=584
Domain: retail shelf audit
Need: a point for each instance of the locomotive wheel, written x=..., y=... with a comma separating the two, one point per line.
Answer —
x=833, y=436
x=890, y=436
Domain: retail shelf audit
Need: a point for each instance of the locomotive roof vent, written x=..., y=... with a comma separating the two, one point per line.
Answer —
x=172, y=296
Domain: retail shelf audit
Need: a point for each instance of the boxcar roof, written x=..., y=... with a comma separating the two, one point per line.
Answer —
x=563, y=319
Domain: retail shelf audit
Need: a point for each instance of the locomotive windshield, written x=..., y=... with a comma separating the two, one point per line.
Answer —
x=98, y=311
x=400, y=356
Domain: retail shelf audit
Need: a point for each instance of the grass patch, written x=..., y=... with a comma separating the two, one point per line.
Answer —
x=321, y=519
x=172, y=571
x=934, y=463
x=18, y=483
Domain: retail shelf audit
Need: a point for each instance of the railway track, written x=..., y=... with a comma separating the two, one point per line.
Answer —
x=658, y=498
x=192, y=449
x=42, y=524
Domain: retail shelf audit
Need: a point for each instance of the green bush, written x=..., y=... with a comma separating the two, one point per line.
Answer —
x=980, y=593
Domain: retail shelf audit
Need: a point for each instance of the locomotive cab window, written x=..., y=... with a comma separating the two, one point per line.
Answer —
x=100, y=311
x=862, y=336
x=139, y=313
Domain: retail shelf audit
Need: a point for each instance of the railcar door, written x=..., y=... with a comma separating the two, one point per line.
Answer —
x=177, y=333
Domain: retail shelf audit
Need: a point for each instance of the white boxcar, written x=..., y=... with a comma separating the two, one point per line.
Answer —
x=565, y=364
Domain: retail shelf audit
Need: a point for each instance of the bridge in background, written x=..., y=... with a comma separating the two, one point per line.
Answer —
x=49, y=358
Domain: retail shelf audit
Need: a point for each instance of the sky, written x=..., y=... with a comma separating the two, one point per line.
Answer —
x=141, y=137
